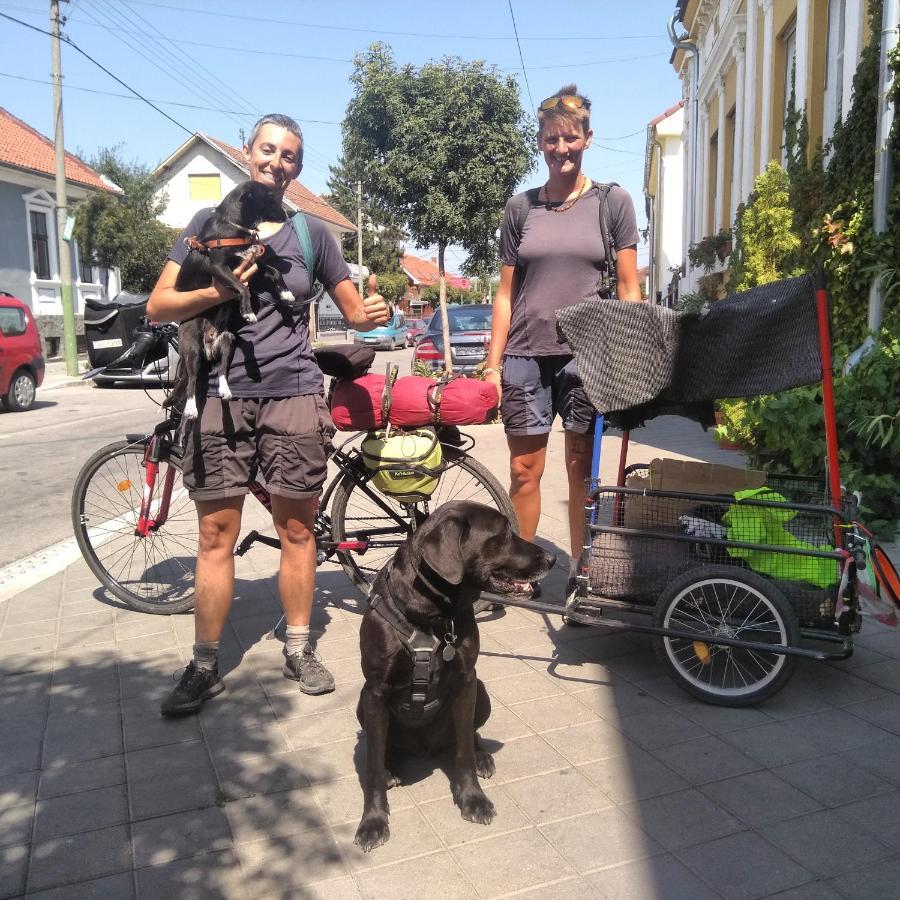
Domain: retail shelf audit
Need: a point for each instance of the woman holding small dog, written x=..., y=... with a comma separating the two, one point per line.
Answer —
x=277, y=421
x=552, y=255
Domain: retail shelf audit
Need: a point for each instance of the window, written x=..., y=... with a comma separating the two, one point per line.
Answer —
x=205, y=187
x=85, y=269
x=40, y=244
x=12, y=321
x=834, y=65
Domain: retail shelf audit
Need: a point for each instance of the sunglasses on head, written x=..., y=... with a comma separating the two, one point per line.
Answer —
x=570, y=101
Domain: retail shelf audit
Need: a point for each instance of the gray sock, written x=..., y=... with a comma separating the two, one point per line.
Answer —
x=297, y=638
x=206, y=654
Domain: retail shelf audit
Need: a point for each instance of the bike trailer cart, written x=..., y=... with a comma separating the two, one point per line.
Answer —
x=734, y=587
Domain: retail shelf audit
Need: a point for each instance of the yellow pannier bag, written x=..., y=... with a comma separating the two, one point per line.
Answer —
x=406, y=465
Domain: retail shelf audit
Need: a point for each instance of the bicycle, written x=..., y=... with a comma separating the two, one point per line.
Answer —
x=138, y=531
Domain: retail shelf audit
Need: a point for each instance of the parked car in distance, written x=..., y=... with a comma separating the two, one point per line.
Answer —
x=416, y=328
x=386, y=337
x=21, y=357
x=470, y=332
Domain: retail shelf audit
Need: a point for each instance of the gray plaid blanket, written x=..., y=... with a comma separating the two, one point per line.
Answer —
x=759, y=342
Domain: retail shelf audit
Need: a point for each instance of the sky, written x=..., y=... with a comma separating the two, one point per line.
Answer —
x=216, y=67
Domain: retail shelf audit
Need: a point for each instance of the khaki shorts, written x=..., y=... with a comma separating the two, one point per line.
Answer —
x=284, y=438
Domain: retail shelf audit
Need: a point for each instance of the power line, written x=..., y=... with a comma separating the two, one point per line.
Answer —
x=100, y=66
x=464, y=37
x=598, y=62
x=154, y=56
x=87, y=90
x=512, y=15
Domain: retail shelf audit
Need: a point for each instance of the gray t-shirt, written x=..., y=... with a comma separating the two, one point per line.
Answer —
x=273, y=356
x=560, y=257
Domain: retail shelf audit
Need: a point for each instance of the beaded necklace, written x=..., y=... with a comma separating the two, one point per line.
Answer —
x=568, y=204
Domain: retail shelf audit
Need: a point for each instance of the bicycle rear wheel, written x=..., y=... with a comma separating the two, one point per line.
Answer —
x=361, y=512
x=153, y=574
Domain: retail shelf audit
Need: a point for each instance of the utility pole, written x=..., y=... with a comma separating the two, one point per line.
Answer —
x=70, y=348
x=359, y=236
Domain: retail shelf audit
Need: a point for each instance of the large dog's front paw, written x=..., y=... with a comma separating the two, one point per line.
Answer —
x=373, y=831
x=476, y=807
x=484, y=764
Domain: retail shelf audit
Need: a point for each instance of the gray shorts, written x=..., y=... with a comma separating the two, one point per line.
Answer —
x=537, y=389
x=284, y=438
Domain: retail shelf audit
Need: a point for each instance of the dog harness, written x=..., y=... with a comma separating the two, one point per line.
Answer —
x=422, y=646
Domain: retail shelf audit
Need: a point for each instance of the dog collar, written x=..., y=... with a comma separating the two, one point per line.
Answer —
x=435, y=585
x=217, y=243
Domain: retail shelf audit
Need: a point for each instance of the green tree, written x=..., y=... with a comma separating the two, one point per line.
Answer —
x=442, y=146
x=383, y=235
x=392, y=286
x=768, y=241
x=123, y=230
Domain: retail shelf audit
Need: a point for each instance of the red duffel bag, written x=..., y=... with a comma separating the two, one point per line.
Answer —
x=359, y=405
x=461, y=401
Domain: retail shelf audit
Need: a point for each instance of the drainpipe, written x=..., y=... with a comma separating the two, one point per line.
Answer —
x=691, y=47
x=884, y=174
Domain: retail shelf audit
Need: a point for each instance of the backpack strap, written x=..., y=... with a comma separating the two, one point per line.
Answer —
x=301, y=229
x=609, y=284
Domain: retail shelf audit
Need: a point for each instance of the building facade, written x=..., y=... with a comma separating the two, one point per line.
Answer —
x=29, y=257
x=751, y=56
x=664, y=193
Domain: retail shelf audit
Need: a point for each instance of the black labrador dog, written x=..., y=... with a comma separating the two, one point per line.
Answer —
x=228, y=237
x=419, y=645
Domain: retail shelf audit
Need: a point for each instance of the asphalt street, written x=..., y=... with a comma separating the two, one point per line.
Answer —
x=43, y=449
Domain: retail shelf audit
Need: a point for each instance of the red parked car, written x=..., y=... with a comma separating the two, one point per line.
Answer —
x=21, y=360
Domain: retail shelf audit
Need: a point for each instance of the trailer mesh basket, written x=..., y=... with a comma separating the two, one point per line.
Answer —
x=643, y=540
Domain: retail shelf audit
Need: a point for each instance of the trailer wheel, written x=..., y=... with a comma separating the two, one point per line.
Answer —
x=725, y=601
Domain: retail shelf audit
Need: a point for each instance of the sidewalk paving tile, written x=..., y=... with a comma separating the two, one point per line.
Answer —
x=833, y=780
x=588, y=742
x=165, y=839
x=878, y=816
x=599, y=839
x=206, y=877
x=635, y=774
x=79, y=857
x=120, y=886
x=705, y=759
x=511, y=862
x=821, y=843
x=84, y=811
x=58, y=781
x=556, y=795
x=881, y=880
x=650, y=879
x=13, y=868
x=681, y=819
x=744, y=866
x=760, y=798
x=436, y=875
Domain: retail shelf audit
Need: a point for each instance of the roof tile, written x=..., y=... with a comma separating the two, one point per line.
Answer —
x=26, y=148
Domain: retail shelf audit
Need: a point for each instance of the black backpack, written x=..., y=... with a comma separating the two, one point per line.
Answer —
x=523, y=204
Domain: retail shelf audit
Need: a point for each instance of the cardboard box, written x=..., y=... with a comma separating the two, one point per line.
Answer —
x=686, y=476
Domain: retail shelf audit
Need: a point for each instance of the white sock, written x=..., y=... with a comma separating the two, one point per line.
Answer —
x=297, y=638
x=206, y=655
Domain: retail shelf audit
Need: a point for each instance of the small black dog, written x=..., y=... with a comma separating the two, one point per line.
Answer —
x=419, y=645
x=228, y=237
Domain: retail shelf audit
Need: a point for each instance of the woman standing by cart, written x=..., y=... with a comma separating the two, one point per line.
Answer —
x=552, y=250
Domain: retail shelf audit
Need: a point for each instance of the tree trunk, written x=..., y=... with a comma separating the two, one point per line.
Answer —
x=445, y=321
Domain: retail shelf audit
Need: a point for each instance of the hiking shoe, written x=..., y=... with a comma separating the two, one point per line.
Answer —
x=193, y=690
x=307, y=670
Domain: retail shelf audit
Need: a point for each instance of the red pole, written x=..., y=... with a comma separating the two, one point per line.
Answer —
x=831, y=441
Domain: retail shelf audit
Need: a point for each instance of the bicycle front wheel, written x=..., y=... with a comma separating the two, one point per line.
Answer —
x=361, y=512
x=153, y=574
